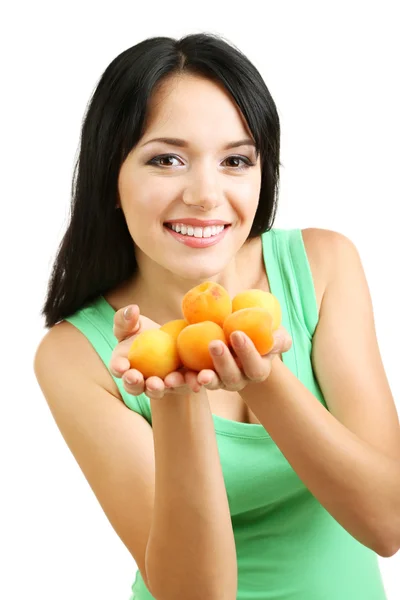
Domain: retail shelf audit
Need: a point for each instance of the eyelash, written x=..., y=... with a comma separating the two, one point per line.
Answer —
x=247, y=162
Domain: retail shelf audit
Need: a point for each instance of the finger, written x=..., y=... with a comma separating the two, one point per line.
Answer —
x=154, y=387
x=126, y=321
x=282, y=341
x=133, y=382
x=175, y=379
x=209, y=379
x=226, y=366
x=191, y=381
x=119, y=365
x=255, y=367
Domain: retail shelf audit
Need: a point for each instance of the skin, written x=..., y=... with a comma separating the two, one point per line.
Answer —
x=205, y=181
x=202, y=181
x=232, y=373
x=348, y=455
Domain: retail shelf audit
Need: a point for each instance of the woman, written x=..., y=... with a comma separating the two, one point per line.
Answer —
x=278, y=479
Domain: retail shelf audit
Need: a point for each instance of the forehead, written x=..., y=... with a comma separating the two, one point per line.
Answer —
x=187, y=105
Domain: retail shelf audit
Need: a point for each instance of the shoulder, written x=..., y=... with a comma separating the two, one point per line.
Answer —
x=326, y=250
x=66, y=344
x=321, y=242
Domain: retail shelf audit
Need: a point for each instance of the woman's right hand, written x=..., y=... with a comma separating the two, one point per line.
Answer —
x=125, y=330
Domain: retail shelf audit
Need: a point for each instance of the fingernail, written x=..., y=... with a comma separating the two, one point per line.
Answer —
x=237, y=339
x=131, y=380
x=128, y=312
x=217, y=350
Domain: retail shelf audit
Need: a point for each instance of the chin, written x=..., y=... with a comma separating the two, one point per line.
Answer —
x=193, y=264
x=198, y=269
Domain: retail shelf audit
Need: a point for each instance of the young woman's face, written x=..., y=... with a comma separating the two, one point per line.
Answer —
x=190, y=205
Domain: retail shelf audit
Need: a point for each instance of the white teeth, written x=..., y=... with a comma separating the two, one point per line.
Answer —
x=197, y=232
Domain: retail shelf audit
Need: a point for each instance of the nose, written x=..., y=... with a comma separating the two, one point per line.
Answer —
x=202, y=192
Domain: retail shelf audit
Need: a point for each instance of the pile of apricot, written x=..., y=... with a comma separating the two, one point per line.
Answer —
x=208, y=314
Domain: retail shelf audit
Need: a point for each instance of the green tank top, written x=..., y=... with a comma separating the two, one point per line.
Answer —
x=288, y=546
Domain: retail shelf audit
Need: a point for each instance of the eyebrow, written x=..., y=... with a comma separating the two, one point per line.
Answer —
x=184, y=144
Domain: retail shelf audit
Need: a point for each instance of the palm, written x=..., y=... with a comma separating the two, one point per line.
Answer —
x=119, y=357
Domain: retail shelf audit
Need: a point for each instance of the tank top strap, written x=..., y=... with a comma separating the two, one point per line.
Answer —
x=291, y=281
x=95, y=321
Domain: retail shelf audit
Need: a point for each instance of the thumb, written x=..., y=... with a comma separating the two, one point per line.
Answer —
x=126, y=322
x=282, y=343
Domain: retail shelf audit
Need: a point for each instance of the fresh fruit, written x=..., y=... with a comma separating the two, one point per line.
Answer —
x=259, y=298
x=254, y=322
x=207, y=302
x=209, y=314
x=193, y=343
x=154, y=352
x=174, y=327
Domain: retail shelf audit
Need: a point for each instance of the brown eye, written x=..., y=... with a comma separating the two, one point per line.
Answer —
x=163, y=157
x=243, y=159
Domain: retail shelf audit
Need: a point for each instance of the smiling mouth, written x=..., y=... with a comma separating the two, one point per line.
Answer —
x=198, y=232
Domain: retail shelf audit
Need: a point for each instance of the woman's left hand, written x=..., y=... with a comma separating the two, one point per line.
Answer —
x=233, y=373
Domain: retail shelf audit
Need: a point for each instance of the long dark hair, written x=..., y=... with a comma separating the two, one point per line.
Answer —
x=96, y=253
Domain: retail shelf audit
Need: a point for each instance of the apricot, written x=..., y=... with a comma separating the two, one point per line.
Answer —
x=154, y=352
x=255, y=322
x=193, y=343
x=174, y=327
x=207, y=301
x=259, y=298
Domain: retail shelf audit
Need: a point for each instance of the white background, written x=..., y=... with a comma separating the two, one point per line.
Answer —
x=333, y=71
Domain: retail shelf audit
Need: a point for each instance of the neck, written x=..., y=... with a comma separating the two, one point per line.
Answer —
x=159, y=292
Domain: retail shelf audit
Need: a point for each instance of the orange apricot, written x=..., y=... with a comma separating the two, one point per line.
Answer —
x=255, y=322
x=154, y=352
x=193, y=343
x=207, y=301
x=259, y=298
x=174, y=327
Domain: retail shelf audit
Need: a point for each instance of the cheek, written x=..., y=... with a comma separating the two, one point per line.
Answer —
x=144, y=211
x=146, y=201
x=246, y=198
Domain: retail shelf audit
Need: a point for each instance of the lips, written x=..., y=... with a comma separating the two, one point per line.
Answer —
x=196, y=236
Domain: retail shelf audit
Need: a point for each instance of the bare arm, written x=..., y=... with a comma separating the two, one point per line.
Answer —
x=349, y=455
x=162, y=490
x=191, y=549
x=354, y=481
